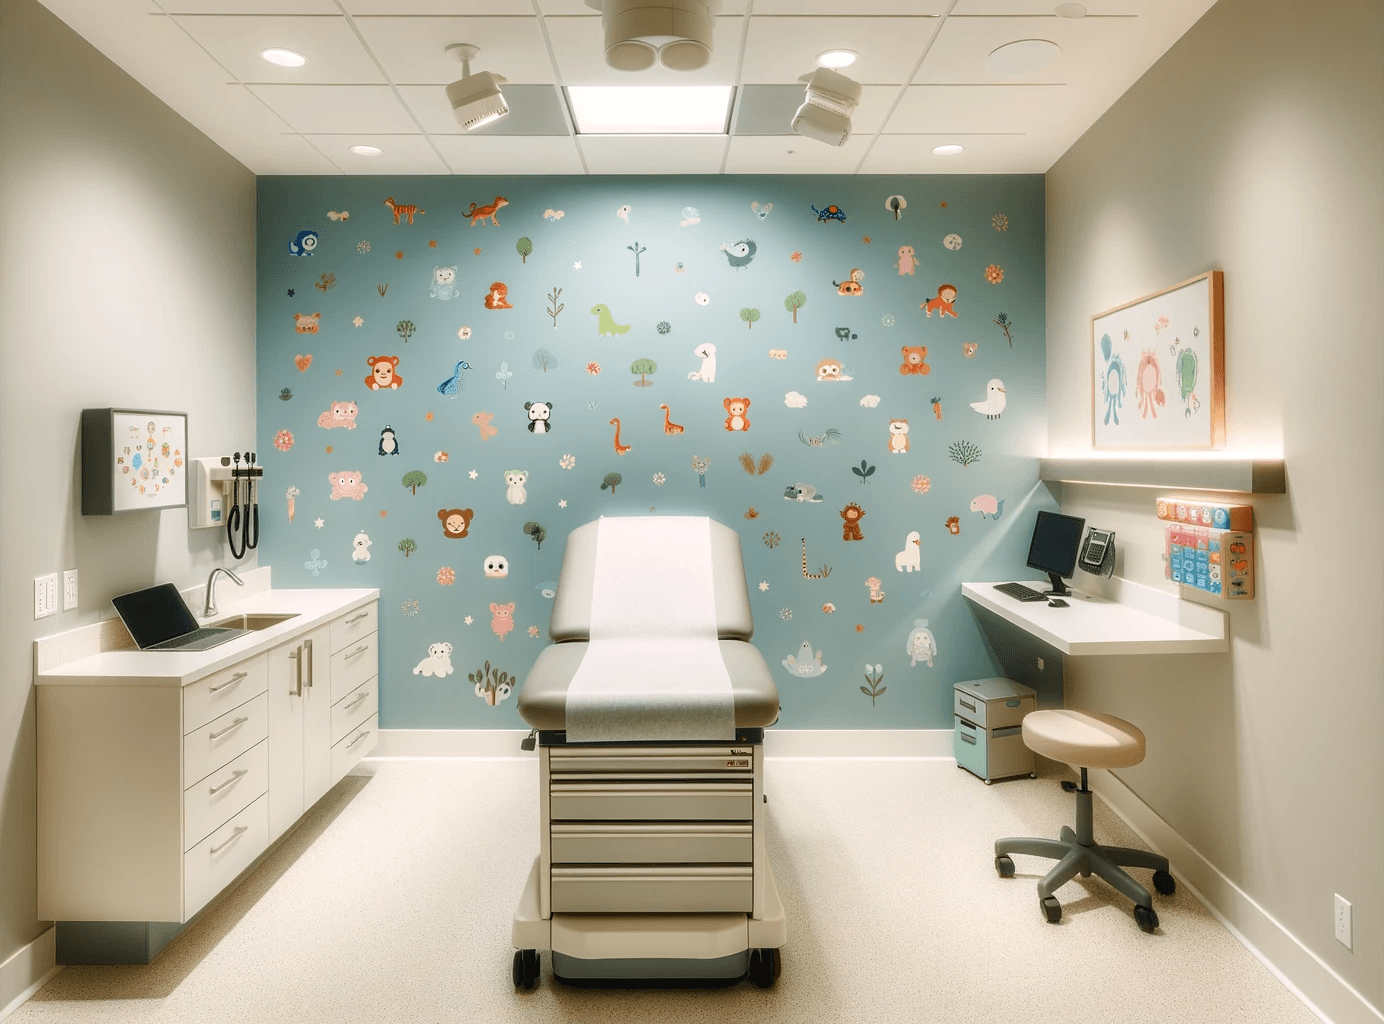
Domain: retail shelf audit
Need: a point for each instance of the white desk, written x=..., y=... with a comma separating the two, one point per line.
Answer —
x=1134, y=620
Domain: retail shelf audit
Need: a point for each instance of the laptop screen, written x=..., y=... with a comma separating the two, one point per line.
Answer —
x=155, y=615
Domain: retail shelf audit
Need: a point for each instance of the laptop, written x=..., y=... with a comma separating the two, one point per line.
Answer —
x=160, y=620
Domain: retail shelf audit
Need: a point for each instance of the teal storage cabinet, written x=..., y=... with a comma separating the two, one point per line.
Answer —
x=989, y=738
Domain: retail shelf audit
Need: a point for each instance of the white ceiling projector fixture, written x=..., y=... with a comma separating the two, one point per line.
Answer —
x=825, y=114
x=476, y=99
x=675, y=34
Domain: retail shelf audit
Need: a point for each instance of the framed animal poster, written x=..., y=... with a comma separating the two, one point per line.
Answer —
x=133, y=460
x=1158, y=369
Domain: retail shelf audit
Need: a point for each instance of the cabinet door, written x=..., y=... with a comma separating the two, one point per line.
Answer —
x=317, y=715
x=285, y=737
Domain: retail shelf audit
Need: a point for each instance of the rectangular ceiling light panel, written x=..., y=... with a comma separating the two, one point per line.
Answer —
x=650, y=110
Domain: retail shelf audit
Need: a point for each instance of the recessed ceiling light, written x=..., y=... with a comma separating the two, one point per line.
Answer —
x=650, y=110
x=1070, y=10
x=948, y=150
x=836, y=58
x=1023, y=57
x=366, y=150
x=284, y=58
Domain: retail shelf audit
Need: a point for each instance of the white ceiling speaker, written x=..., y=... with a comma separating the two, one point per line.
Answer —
x=825, y=114
x=476, y=99
x=1023, y=57
x=639, y=34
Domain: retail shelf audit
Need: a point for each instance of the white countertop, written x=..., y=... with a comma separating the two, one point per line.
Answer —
x=313, y=608
x=1142, y=621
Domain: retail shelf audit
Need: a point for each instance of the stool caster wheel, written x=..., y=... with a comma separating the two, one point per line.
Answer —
x=1068, y=787
x=1147, y=919
x=989, y=781
x=1164, y=883
x=1033, y=775
x=525, y=968
x=1052, y=910
x=765, y=966
x=1004, y=865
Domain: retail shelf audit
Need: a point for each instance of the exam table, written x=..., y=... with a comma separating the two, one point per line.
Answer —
x=652, y=863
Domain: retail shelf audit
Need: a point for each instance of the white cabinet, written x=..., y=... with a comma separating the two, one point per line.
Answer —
x=300, y=745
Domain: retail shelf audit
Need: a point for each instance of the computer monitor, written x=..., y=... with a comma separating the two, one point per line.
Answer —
x=1053, y=550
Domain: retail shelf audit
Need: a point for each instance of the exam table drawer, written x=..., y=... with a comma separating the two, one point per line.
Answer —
x=663, y=843
x=737, y=759
x=670, y=801
x=652, y=890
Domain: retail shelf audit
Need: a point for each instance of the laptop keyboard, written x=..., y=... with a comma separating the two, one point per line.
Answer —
x=189, y=638
x=1019, y=592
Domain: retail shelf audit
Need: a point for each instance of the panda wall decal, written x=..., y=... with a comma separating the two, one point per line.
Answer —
x=540, y=417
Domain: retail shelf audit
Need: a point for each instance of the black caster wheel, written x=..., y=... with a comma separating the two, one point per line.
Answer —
x=1164, y=883
x=765, y=966
x=1068, y=787
x=525, y=968
x=1033, y=775
x=1004, y=865
x=1147, y=918
x=1052, y=910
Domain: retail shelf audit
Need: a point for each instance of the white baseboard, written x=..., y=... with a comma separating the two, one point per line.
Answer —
x=1321, y=989
x=27, y=971
x=504, y=743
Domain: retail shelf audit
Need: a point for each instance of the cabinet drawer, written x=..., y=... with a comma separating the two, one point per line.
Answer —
x=225, y=792
x=993, y=714
x=652, y=844
x=992, y=753
x=352, y=710
x=652, y=890
x=354, y=625
x=215, y=862
x=616, y=801
x=354, y=665
x=229, y=688
x=353, y=746
x=224, y=738
x=736, y=759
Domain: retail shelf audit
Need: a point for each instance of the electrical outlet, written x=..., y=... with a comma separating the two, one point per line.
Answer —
x=69, y=590
x=1343, y=920
x=45, y=596
x=1040, y=664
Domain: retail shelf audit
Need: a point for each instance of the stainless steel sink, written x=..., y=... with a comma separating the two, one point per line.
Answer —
x=262, y=620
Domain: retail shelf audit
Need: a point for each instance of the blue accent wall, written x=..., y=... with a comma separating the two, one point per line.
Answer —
x=374, y=284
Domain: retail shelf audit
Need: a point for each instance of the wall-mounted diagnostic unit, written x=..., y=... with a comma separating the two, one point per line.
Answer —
x=133, y=460
x=223, y=496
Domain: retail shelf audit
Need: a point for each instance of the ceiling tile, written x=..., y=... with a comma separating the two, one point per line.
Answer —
x=402, y=154
x=413, y=50
x=653, y=154
x=769, y=109
x=338, y=109
x=1093, y=49
x=334, y=53
x=438, y=8
x=249, y=6
x=858, y=8
x=1045, y=8
x=279, y=154
x=533, y=110
x=793, y=154
x=779, y=50
x=983, y=109
x=509, y=154
x=985, y=154
x=579, y=44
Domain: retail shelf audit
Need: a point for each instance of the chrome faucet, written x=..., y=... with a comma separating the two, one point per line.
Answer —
x=209, y=609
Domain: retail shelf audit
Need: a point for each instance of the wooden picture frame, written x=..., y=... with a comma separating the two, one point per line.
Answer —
x=1158, y=370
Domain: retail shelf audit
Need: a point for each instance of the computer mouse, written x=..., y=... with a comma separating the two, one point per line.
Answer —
x=1057, y=603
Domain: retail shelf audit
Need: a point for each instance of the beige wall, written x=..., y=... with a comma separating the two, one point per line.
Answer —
x=127, y=277
x=1255, y=146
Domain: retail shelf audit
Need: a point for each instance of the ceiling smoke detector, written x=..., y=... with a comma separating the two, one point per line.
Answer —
x=825, y=114
x=475, y=99
x=675, y=34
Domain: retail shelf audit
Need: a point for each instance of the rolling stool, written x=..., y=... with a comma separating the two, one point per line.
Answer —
x=1086, y=739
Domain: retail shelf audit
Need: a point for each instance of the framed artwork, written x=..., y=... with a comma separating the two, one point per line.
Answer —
x=1158, y=369
x=133, y=460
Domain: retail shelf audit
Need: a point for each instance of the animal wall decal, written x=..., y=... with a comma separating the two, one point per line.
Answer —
x=437, y=663
x=456, y=522
x=910, y=558
x=498, y=296
x=303, y=243
x=514, y=486
x=826, y=569
x=384, y=375
x=496, y=567
x=801, y=493
x=389, y=443
x=992, y=405
x=407, y=210
x=830, y=213
x=502, y=620
x=987, y=505
x=762, y=212
x=620, y=449
x=481, y=213
x=907, y=261
x=606, y=326
x=347, y=484
x=306, y=323
x=669, y=427
x=920, y=645
x=737, y=410
x=943, y=303
x=898, y=437
x=482, y=420
x=739, y=254
x=850, y=522
x=341, y=414
x=806, y=664
x=830, y=370
x=540, y=417
x=456, y=383
x=1148, y=384
x=853, y=285
x=914, y=360
x=953, y=525
x=707, y=353
x=872, y=584
x=444, y=283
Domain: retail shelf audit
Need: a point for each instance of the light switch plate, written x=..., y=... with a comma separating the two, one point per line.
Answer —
x=45, y=596
x=69, y=590
x=1343, y=928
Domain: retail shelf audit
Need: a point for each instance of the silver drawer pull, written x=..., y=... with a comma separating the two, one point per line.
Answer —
x=358, y=739
x=353, y=703
x=359, y=650
x=234, y=725
x=235, y=777
x=239, y=831
x=967, y=739
x=357, y=618
x=229, y=682
x=968, y=707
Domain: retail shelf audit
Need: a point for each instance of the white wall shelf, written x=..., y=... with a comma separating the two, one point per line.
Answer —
x=1208, y=472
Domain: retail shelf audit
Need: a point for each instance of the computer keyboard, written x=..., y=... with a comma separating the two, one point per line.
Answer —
x=189, y=638
x=1019, y=592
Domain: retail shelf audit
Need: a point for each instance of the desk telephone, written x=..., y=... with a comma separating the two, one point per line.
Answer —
x=1098, y=552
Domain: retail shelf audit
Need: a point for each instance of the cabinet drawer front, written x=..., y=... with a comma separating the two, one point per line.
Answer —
x=350, y=711
x=224, y=739
x=731, y=759
x=652, y=844
x=207, y=698
x=354, y=665
x=224, y=793
x=652, y=890
x=354, y=625
x=215, y=862
x=711, y=801
x=353, y=746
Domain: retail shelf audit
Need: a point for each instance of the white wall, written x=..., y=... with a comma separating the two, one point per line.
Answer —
x=127, y=277
x=1256, y=146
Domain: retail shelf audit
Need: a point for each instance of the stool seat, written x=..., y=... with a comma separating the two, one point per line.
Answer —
x=1086, y=739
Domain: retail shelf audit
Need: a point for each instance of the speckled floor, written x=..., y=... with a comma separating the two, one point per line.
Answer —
x=392, y=903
